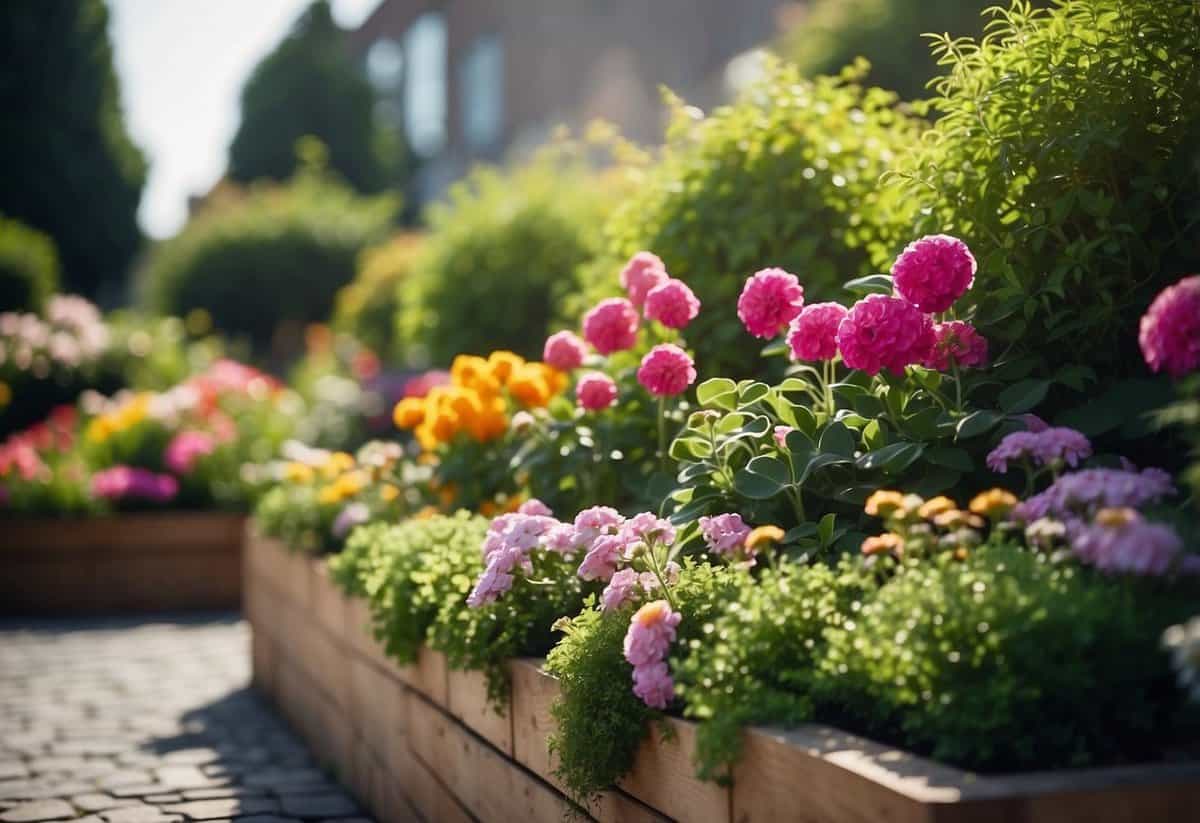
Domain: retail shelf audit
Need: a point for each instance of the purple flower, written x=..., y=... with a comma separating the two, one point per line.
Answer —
x=1120, y=540
x=129, y=483
x=355, y=514
x=1049, y=446
x=1080, y=494
x=653, y=684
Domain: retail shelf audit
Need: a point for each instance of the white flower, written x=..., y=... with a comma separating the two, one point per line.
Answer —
x=1183, y=642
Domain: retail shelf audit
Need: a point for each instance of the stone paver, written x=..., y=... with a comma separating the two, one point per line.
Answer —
x=148, y=721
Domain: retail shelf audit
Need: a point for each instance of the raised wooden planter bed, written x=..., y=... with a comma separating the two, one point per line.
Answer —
x=167, y=561
x=421, y=741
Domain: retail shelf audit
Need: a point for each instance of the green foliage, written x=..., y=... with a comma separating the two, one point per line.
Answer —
x=499, y=257
x=786, y=176
x=1065, y=154
x=264, y=261
x=889, y=33
x=599, y=722
x=756, y=662
x=312, y=86
x=367, y=307
x=291, y=513
x=28, y=267
x=69, y=167
x=998, y=663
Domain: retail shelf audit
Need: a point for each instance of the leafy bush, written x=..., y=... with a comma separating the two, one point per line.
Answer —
x=499, y=256
x=367, y=307
x=266, y=259
x=986, y=664
x=888, y=33
x=1065, y=153
x=28, y=267
x=786, y=176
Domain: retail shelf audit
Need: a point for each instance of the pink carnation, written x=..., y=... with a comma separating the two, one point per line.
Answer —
x=1170, y=329
x=769, y=301
x=672, y=303
x=602, y=558
x=592, y=523
x=933, y=272
x=494, y=582
x=185, y=449
x=650, y=633
x=535, y=507
x=642, y=273
x=620, y=590
x=611, y=326
x=958, y=342
x=884, y=332
x=725, y=534
x=595, y=391
x=130, y=483
x=564, y=351
x=653, y=684
x=812, y=334
x=648, y=527
x=666, y=370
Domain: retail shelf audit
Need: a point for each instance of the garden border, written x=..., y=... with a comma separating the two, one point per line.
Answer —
x=136, y=562
x=364, y=715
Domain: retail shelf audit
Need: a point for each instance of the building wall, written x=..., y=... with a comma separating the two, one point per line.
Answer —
x=570, y=61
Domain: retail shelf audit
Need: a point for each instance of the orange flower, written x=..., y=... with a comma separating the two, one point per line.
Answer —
x=503, y=364
x=884, y=503
x=763, y=536
x=445, y=425
x=993, y=503
x=488, y=509
x=388, y=493
x=409, y=413
x=426, y=436
x=938, y=505
x=889, y=543
x=529, y=386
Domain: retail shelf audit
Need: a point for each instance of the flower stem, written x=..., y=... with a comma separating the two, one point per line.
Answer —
x=958, y=402
x=658, y=575
x=662, y=433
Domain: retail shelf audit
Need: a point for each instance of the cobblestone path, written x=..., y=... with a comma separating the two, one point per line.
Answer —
x=147, y=721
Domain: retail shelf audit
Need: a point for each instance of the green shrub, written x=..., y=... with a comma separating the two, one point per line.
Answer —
x=1065, y=154
x=367, y=306
x=1011, y=661
x=887, y=32
x=268, y=258
x=786, y=176
x=28, y=267
x=500, y=255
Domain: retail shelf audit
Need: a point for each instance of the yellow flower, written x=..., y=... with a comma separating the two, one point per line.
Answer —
x=529, y=386
x=350, y=484
x=426, y=513
x=299, y=473
x=884, y=503
x=993, y=503
x=1116, y=517
x=888, y=543
x=763, y=537
x=503, y=364
x=336, y=463
x=954, y=518
x=388, y=493
x=938, y=505
x=328, y=495
x=425, y=436
x=444, y=425
x=409, y=413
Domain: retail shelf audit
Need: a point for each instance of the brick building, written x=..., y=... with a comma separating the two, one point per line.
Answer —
x=473, y=80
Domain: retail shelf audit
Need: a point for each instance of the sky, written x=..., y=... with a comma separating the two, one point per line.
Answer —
x=182, y=64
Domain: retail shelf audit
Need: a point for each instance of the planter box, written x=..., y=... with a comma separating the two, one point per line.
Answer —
x=421, y=741
x=160, y=561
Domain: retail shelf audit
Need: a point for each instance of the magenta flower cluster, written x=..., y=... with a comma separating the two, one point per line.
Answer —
x=1050, y=446
x=564, y=351
x=186, y=448
x=1169, y=333
x=880, y=331
x=649, y=638
x=595, y=391
x=611, y=326
x=666, y=370
x=130, y=483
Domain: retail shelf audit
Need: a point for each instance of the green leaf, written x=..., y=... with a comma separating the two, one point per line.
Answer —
x=950, y=457
x=893, y=458
x=762, y=478
x=752, y=392
x=977, y=423
x=719, y=392
x=690, y=448
x=874, y=435
x=1023, y=396
x=825, y=528
x=837, y=439
x=871, y=284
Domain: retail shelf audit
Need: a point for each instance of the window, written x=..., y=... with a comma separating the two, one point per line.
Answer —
x=425, y=84
x=481, y=86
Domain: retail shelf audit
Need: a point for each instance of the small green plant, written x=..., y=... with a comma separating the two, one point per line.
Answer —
x=28, y=267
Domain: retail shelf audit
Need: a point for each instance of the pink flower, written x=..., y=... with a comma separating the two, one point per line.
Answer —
x=494, y=582
x=600, y=563
x=1169, y=333
x=620, y=590
x=642, y=273
x=650, y=633
x=672, y=303
x=781, y=433
x=185, y=449
x=354, y=514
x=611, y=326
x=648, y=528
x=595, y=391
x=564, y=351
x=535, y=507
x=933, y=272
x=725, y=534
x=653, y=684
x=769, y=301
x=666, y=370
x=958, y=342
x=560, y=538
x=129, y=483
x=812, y=334
x=881, y=331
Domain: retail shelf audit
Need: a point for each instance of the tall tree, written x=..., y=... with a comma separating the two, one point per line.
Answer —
x=310, y=85
x=67, y=164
